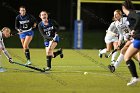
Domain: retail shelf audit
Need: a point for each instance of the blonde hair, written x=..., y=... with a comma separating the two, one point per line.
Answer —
x=119, y=12
x=6, y=29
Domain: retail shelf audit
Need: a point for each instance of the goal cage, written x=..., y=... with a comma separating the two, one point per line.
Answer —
x=78, y=24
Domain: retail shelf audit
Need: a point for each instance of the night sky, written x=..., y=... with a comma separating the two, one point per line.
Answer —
x=63, y=11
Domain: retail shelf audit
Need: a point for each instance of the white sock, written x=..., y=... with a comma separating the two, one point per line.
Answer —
x=114, y=55
x=103, y=51
x=119, y=60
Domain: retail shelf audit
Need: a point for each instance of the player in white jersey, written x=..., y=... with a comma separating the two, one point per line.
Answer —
x=113, y=37
x=4, y=33
x=123, y=25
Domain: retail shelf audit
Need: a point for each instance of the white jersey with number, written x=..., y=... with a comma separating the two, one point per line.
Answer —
x=123, y=26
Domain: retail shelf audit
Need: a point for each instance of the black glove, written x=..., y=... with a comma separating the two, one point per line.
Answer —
x=10, y=60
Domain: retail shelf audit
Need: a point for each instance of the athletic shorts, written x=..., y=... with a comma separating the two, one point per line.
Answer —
x=110, y=38
x=136, y=43
x=24, y=34
x=47, y=43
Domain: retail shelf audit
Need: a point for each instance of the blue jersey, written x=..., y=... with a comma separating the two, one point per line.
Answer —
x=25, y=22
x=48, y=31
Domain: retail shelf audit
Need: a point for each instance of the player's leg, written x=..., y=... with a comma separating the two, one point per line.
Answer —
x=131, y=51
x=108, y=41
x=56, y=40
x=26, y=43
x=121, y=56
x=105, y=50
x=115, y=45
x=58, y=52
x=26, y=38
x=1, y=68
x=50, y=53
x=137, y=58
x=50, y=45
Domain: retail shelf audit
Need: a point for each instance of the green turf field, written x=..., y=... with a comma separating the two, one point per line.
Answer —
x=67, y=75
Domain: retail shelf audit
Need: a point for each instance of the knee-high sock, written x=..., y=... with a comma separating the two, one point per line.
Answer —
x=132, y=68
x=49, y=59
x=103, y=51
x=56, y=53
x=119, y=60
x=114, y=56
x=27, y=54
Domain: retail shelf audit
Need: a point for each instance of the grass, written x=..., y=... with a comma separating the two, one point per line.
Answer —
x=67, y=75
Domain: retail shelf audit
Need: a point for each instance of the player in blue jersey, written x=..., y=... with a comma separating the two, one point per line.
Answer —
x=48, y=29
x=24, y=24
x=134, y=48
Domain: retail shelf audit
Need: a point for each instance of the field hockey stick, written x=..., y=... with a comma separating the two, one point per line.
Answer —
x=14, y=34
x=29, y=66
x=107, y=56
x=122, y=44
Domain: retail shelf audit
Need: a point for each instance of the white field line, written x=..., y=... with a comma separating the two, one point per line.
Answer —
x=83, y=66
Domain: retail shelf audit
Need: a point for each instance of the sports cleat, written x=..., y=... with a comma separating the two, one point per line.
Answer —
x=47, y=69
x=61, y=53
x=111, y=68
x=2, y=69
x=100, y=55
x=133, y=81
x=28, y=62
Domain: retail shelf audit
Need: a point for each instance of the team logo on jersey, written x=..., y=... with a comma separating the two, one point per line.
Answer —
x=48, y=29
x=23, y=22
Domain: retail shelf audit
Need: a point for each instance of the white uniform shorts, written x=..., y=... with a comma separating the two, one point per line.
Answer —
x=110, y=38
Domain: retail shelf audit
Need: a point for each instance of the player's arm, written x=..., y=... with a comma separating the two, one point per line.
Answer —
x=17, y=25
x=8, y=56
x=111, y=29
x=135, y=16
x=120, y=36
x=33, y=21
x=55, y=24
x=42, y=34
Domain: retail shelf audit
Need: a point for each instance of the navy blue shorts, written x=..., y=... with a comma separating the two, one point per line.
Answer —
x=136, y=43
x=24, y=34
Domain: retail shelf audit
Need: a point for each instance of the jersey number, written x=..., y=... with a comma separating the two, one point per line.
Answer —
x=48, y=33
x=25, y=26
